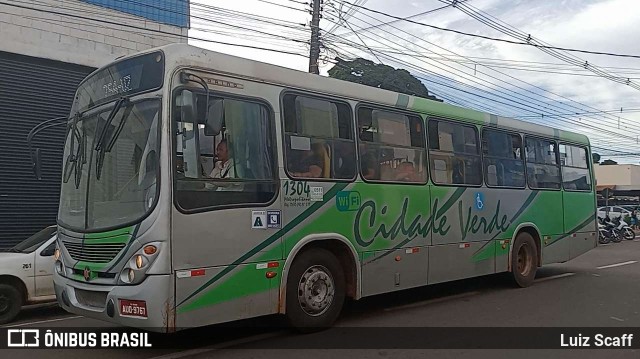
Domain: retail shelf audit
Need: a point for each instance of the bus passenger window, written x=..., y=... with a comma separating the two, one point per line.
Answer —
x=503, y=162
x=454, y=153
x=575, y=168
x=237, y=160
x=392, y=147
x=543, y=169
x=318, y=138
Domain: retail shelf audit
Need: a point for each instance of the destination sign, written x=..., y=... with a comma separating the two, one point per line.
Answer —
x=124, y=78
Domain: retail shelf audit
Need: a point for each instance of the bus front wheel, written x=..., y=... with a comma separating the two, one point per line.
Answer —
x=315, y=290
x=524, y=260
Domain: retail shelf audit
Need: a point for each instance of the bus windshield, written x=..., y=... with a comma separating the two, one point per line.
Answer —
x=110, y=162
x=115, y=184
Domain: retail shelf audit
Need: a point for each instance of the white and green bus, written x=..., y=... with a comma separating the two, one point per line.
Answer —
x=201, y=188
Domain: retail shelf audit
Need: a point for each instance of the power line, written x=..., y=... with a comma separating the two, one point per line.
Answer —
x=404, y=18
x=492, y=38
x=283, y=6
x=474, y=69
x=511, y=99
x=512, y=31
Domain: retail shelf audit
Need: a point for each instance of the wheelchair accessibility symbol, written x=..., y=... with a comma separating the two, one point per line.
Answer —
x=479, y=201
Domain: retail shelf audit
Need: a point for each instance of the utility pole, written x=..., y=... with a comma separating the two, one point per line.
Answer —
x=314, y=53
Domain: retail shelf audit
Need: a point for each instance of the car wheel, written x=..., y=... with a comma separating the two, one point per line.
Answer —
x=10, y=303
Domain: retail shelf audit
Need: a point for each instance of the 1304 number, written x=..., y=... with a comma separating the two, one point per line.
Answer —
x=293, y=188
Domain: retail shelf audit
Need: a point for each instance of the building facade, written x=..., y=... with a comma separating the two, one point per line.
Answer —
x=47, y=48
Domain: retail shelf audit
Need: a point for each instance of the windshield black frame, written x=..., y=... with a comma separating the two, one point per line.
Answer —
x=90, y=167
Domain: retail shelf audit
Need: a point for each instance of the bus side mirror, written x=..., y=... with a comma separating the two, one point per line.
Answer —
x=215, y=118
x=35, y=159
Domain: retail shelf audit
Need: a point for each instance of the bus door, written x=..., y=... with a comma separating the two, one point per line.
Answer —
x=226, y=220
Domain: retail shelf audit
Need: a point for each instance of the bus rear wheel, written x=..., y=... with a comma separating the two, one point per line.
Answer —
x=315, y=290
x=524, y=260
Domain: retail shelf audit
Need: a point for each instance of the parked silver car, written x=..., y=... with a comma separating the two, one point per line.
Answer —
x=26, y=273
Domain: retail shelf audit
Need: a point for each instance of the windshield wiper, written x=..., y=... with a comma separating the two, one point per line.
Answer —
x=100, y=148
x=71, y=162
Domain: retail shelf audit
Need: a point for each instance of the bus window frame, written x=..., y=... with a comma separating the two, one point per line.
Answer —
x=296, y=92
x=477, y=131
x=522, y=156
x=526, y=162
x=589, y=166
x=174, y=154
x=422, y=118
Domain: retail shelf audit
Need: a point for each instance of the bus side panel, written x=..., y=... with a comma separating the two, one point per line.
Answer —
x=458, y=261
x=547, y=215
x=244, y=293
x=580, y=222
x=395, y=270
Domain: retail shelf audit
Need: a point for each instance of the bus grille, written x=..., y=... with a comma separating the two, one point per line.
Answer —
x=96, y=253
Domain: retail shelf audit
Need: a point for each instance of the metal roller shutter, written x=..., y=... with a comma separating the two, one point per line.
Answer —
x=31, y=90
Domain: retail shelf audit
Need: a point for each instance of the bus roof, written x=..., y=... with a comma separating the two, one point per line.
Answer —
x=192, y=56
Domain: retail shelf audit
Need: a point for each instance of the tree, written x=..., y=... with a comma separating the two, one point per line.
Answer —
x=368, y=73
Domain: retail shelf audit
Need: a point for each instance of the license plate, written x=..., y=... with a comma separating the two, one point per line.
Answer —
x=133, y=308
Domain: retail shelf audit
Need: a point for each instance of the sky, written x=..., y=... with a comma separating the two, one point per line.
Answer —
x=465, y=70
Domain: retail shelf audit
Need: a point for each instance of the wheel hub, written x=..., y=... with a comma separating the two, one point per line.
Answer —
x=524, y=260
x=316, y=290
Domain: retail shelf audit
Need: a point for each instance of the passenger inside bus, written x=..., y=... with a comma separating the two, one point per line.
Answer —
x=406, y=172
x=225, y=166
x=310, y=163
x=369, y=163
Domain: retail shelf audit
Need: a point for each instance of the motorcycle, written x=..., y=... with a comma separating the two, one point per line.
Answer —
x=609, y=231
x=623, y=228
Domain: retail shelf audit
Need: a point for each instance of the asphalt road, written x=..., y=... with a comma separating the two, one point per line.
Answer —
x=598, y=289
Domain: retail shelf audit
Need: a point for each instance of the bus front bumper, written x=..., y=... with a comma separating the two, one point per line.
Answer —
x=147, y=305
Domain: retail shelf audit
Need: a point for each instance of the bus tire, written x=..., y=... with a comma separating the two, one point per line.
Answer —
x=10, y=303
x=524, y=260
x=315, y=290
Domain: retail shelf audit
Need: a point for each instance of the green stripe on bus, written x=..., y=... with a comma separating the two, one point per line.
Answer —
x=304, y=215
x=114, y=233
x=454, y=197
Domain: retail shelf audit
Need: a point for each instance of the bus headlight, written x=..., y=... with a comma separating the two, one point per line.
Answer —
x=139, y=263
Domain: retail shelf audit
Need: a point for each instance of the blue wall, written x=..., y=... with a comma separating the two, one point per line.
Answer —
x=171, y=12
